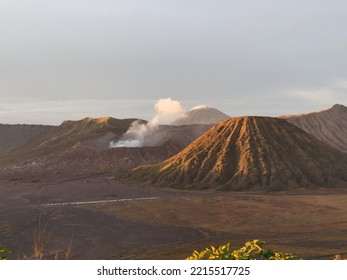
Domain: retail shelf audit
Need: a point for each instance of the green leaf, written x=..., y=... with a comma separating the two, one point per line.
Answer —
x=4, y=253
x=253, y=250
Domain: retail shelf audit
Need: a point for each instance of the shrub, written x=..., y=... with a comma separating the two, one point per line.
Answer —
x=4, y=253
x=338, y=258
x=253, y=250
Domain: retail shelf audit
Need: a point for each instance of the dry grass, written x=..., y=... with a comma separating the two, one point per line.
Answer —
x=6, y=228
x=339, y=258
x=40, y=240
x=41, y=237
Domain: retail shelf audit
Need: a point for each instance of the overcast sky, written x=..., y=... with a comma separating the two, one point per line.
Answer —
x=70, y=59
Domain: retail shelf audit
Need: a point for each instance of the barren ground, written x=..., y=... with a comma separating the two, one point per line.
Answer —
x=310, y=223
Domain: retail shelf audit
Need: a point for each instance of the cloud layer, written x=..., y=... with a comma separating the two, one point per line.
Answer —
x=229, y=54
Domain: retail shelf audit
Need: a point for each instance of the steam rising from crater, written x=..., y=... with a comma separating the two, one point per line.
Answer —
x=140, y=134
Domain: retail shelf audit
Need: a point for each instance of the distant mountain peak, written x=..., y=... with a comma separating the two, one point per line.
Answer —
x=90, y=120
x=199, y=107
x=98, y=120
x=338, y=107
x=202, y=114
x=329, y=126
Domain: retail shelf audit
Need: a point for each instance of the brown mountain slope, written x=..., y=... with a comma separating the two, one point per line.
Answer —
x=249, y=153
x=83, y=161
x=67, y=135
x=12, y=135
x=329, y=126
x=81, y=148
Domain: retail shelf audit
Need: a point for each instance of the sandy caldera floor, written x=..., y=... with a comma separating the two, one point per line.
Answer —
x=310, y=223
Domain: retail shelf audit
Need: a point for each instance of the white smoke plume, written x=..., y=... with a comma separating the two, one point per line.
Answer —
x=167, y=110
x=140, y=135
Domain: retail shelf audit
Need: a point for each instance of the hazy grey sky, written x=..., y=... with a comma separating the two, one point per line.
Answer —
x=68, y=59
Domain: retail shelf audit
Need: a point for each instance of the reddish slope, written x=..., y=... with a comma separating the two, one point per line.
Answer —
x=249, y=153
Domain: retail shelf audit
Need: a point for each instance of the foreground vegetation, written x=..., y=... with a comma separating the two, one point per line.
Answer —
x=4, y=253
x=253, y=250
